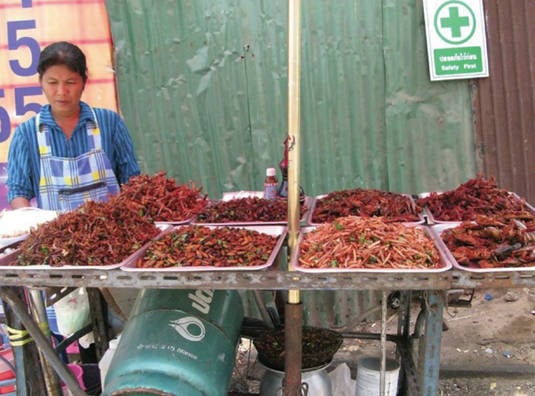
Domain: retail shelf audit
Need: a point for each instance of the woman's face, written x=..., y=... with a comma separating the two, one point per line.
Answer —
x=63, y=89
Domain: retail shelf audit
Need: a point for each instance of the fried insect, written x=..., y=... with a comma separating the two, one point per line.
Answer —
x=161, y=199
x=360, y=242
x=478, y=196
x=249, y=209
x=490, y=242
x=95, y=234
x=393, y=207
x=194, y=245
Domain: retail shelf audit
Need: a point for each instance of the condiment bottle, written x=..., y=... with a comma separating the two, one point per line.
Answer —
x=270, y=184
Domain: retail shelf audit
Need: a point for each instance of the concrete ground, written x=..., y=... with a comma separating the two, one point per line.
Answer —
x=487, y=348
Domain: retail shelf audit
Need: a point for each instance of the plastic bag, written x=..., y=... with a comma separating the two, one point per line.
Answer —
x=341, y=381
x=72, y=312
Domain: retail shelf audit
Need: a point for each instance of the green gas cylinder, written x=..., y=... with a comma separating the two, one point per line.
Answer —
x=177, y=342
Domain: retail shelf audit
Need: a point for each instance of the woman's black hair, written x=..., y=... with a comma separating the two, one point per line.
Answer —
x=63, y=53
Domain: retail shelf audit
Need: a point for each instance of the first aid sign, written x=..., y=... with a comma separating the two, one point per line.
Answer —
x=456, y=40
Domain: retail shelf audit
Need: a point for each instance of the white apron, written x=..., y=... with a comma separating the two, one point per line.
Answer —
x=66, y=183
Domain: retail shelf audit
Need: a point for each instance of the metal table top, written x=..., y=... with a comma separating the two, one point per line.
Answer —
x=268, y=279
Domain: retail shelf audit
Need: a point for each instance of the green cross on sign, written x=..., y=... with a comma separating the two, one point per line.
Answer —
x=454, y=21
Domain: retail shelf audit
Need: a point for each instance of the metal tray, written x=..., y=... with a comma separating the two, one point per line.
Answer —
x=173, y=223
x=428, y=215
x=7, y=258
x=280, y=231
x=437, y=230
x=528, y=206
x=6, y=242
x=310, y=212
x=446, y=264
x=9, y=248
x=308, y=203
x=9, y=261
x=432, y=220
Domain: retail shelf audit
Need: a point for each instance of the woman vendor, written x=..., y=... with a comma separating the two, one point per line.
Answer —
x=69, y=152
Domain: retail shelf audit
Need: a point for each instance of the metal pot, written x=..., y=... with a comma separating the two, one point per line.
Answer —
x=314, y=382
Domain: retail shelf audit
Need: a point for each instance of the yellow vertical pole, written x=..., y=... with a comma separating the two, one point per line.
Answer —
x=294, y=308
x=294, y=121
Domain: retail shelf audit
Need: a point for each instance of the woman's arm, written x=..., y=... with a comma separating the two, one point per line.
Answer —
x=20, y=165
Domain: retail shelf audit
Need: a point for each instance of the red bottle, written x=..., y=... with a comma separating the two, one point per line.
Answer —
x=270, y=184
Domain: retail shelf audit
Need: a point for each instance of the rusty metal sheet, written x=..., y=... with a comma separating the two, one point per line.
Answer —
x=504, y=103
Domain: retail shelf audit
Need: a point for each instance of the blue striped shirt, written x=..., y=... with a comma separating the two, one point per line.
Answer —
x=23, y=163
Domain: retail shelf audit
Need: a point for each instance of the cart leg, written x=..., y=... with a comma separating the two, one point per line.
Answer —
x=27, y=366
x=99, y=321
x=430, y=341
x=41, y=342
x=408, y=384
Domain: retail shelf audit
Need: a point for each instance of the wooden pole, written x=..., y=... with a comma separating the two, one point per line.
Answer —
x=28, y=372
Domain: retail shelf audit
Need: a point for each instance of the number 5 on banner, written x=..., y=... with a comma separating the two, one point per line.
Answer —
x=20, y=108
x=14, y=42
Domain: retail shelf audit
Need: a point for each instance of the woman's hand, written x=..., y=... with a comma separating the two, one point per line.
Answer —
x=19, y=202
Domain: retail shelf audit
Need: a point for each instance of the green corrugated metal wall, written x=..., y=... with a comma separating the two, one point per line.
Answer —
x=203, y=88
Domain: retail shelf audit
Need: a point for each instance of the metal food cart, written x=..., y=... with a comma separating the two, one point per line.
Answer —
x=420, y=373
